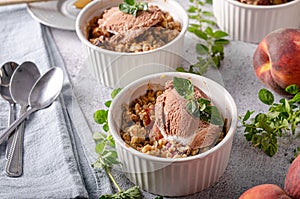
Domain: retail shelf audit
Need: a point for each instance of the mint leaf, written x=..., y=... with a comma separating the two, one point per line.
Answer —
x=184, y=87
x=108, y=103
x=292, y=89
x=193, y=108
x=219, y=34
x=130, y=2
x=266, y=96
x=216, y=117
x=100, y=116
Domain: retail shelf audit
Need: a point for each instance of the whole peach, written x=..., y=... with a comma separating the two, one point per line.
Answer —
x=292, y=179
x=276, y=59
x=265, y=191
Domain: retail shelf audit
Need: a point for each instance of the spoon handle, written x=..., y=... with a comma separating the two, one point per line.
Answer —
x=10, y=2
x=15, y=124
x=12, y=118
x=14, y=164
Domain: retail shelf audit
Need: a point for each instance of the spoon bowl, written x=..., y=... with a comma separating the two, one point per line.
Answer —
x=6, y=73
x=22, y=82
x=46, y=89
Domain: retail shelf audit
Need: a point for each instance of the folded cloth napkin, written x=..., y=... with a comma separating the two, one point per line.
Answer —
x=57, y=157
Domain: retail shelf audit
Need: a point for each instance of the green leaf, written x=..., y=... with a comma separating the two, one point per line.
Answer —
x=216, y=117
x=115, y=92
x=192, y=9
x=100, y=116
x=110, y=141
x=207, y=21
x=194, y=25
x=111, y=159
x=266, y=96
x=265, y=126
x=193, y=109
x=285, y=123
x=296, y=98
x=124, y=8
x=273, y=115
x=207, y=13
x=200, y=34
x=217, y=61
x=192, y=29
x=107, y=103
x=271, y=150
x=292, y=89
x=105, y=127
x=193, y=16
x=99, y=136
x=221, y=41
x=183, y=86
x=209, y=31
x=201, y=3
x=133, y=11
x=201, y=49
x=130, y=2
x=247, y=115
x=100, y=147
x=287, y=106
x=180, y=69
x=219, y=34
x=203, y=101
x=217, y=49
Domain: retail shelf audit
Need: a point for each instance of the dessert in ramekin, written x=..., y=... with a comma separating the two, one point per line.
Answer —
x=116, y=69
x=174, y=175
x=251, y=23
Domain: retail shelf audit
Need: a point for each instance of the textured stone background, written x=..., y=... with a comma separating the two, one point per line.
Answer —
x=247, y=166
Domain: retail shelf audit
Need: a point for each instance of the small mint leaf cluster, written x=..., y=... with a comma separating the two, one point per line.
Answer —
x=132, y=7
x=264, y=129
x=200, y=108
x=210, y=48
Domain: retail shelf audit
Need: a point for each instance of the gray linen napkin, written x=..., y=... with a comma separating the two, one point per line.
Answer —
x=96, y=181
x=55, y=165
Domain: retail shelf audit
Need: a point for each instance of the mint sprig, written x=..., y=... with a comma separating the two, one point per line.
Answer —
x=107, y=155
x=264, y=129
x=132, y=193
x=132, y=7
x=210, y=48
x=200, y=108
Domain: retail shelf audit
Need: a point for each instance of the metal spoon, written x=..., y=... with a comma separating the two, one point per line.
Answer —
x=6, y=73
x=42, y=95
x=21, y=84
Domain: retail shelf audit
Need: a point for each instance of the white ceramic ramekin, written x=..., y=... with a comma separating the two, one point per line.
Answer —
x=251, y=23
x=117, y=69
x=174, y=177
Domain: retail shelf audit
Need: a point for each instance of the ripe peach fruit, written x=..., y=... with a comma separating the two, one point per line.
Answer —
x=292, y=179
x=265, y=191
x=276, y=59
